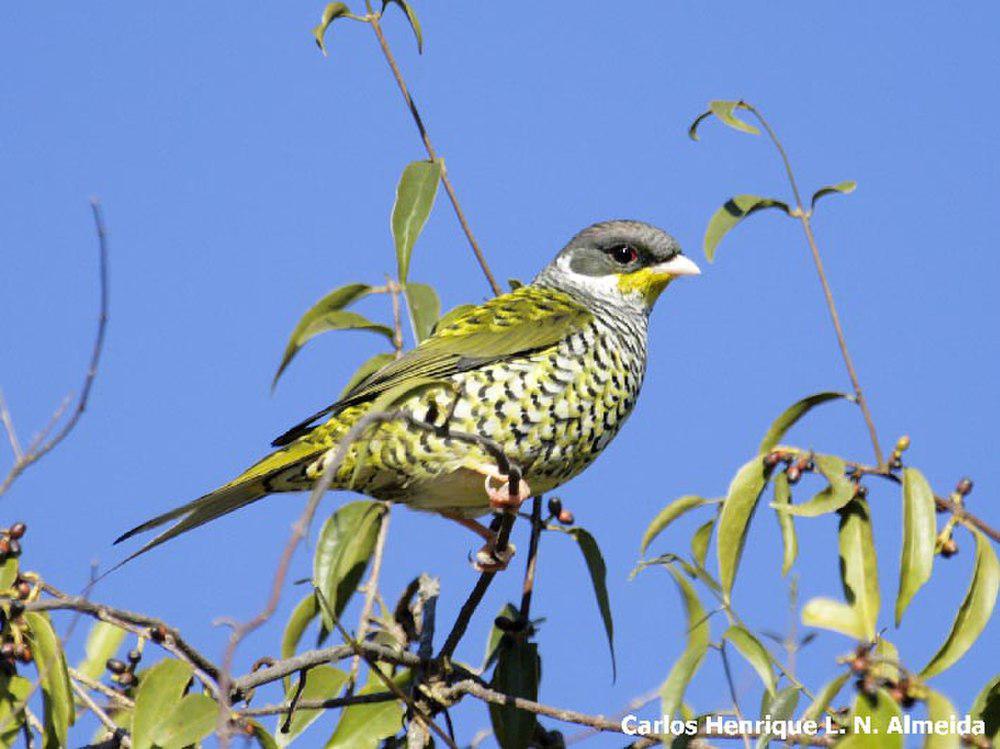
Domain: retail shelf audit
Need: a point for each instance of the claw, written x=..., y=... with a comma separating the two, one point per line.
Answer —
x=491, y=559
x=501, y=497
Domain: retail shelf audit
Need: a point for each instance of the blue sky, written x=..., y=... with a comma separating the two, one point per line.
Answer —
x=243, y=175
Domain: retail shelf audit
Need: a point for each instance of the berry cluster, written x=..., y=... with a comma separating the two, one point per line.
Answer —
x=14, y=647
x=871, y=671
x=10, y=541
x=123, y=674
x=559, y=513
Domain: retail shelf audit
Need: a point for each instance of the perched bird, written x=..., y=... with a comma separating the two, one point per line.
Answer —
x=548, y=373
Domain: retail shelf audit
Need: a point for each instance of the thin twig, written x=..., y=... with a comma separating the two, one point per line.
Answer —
x=371, y=588
x=803, y=215
x=537, y=526
x=8, y=425
x=337, y=702
x=40, y=447
x=117, y=731
x=732, y=689
x=373, y=20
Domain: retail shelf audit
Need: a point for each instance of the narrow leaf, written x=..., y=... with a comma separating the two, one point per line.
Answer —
x=15, y=691
x=791, y=416
x=755, y=654
x=160, y=689
x=322, y=683
x=826, y=613
x=693, y=127
x=8, y=572
x=887, y=656
x=741, y=501
x=331, y=13
x=859, y=566
x=700, y=541
x=939, y=708
x=598, y=572
x=919, y=535
x=780, y=707
x=697, y=629
x=725, y=111
x=50, y=660
x=825, y=696
x=411, y=16
x=414, y=200
x=493, y=641
x=103, y=642
x=364, y=726
x=987, y=709
x=194, y=718
x=425, y=308
x=300, y=619
x=518, y=672
x=343, y=550
x=845, y=188
x=838, y=492
x=975, y=611
x=871, y=720
x=730, y=214
x=328, y=314
x=668, y=515
x=789, y=541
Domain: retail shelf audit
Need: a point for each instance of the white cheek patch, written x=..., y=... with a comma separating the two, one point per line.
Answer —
x=601, y=286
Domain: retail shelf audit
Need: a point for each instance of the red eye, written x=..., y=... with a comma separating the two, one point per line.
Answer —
x=623, y=254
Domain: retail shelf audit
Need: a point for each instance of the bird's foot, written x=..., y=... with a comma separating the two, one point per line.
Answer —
x=491, y=559
x=501, y=497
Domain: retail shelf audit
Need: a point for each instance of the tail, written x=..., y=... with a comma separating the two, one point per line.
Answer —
x=255, y=483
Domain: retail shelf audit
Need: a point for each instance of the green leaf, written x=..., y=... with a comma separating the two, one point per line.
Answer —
x=975, y=611
x=343, y=550
x=684, y=669
x=700, y=541
x=493, y=641
x=329, y=314
x=789, y=541
x=414, y=200
x=518, y=672
x=364, y=726
x=322, y=683
x=755, y=654
x=160, y=690
x=298, y=622
x=668, y=515
x=780, y=707
x=598, y=573
x=838, y=492
x=60, y=712
x=451, y=315
x=987, y=709
x=845, y=188
x=194, y=718
x=724, y=110
x=730, y=214
x=791, y=416
x=859, y=565
x=331, y=13
x=412, y=18
x=887, y=653
x=825, y=696
x=919, y=535
x=262, y=736
x=826, y=613
x=14, y=693
x=741, y=501
x=367, y=368
x=873, y=718
x=939, y=708
x=8, y=572
x=103, y=642
x=425, y=308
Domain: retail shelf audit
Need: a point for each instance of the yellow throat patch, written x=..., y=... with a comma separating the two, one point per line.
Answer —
x=645, y=282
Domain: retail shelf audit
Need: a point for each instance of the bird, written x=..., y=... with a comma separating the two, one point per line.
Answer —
x=547, y=374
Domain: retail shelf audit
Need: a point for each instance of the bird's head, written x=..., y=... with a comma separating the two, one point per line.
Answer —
x=626, y=263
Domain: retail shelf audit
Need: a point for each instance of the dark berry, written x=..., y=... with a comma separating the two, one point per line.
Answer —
x=794, y=473
x=18, y=530
x=949, y=548
x=566, y=517
x=115, y=666
x=158, y=633
x=555, y=505
x=964, y=487
x=134, y=656
x=14, y=548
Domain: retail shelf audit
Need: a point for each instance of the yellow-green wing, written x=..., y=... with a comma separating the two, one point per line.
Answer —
x=522, y=322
